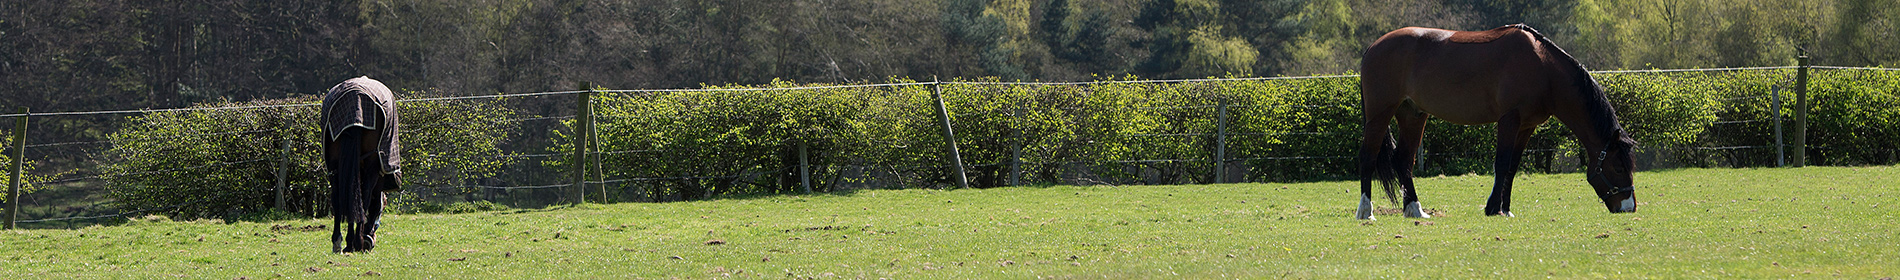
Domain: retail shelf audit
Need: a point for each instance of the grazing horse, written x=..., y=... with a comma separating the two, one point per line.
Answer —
x=1512, y=76
x=363, y=154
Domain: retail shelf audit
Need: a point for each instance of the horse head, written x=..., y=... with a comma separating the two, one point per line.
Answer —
x=1610, y=174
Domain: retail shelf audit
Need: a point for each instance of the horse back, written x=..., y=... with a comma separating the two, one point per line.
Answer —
x=367, y=104
x=1466, y=77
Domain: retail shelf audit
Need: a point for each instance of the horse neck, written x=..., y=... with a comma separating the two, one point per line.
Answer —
x=1594, y=125
x=1588, y=135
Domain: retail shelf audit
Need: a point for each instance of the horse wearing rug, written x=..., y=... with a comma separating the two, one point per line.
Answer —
x=1511, y=76
x=363, y=155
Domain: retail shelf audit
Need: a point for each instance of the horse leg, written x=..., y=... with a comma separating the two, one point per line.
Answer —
x=339, y=211
x=1523, y=142
x=336, y=233
x=373, y=214
x=1505, y=165
x=343, y=232
x=1411, y=136
x=368, y=202
x=1375, y=138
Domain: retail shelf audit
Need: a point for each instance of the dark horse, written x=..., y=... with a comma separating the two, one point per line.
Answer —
x=1511, y=75
x=363, y=155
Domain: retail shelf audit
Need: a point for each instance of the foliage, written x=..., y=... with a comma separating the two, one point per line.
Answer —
x=1695, y=223
x=720, y=142
x=209, y=163
x=454, y=208
x=82, y=55
x=739, y=140
x=206, y=162
x=160, y=55
x=1187, y=40
x=1855, y=117
x=1669, y=111
x=6, y=169
x=450, y=143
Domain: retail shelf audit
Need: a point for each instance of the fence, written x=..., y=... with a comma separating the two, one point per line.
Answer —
x=536, y=149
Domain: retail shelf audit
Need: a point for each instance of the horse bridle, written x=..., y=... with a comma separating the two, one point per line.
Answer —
x=1597, y=171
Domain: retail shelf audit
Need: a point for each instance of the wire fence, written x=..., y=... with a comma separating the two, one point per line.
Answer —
x=537, y=149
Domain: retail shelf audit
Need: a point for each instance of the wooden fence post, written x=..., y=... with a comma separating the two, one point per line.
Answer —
x=949, y=136
x=19, y=159
x=804, y=168
x=1220, y=144
x=283, y=171
x=583, y=113
x=1781, y=148
x=1801, y=112
x=593, y=143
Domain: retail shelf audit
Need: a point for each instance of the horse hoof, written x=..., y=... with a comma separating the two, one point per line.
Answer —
x=1412, y=210
x=1365, y=208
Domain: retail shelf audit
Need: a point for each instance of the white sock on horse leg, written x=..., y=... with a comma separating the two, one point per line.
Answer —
x=1365, y=208
x=1412, y=210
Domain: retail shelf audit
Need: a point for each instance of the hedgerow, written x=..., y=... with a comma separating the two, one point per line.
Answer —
x=686, y=145
x=737, y=140
x=222, y=162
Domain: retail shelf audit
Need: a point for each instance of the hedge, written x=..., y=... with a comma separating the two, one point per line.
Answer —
x=743, y=140
x=687, y=145
x=215, y=163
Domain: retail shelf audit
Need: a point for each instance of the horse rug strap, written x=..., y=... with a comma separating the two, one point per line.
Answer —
x=367, y=103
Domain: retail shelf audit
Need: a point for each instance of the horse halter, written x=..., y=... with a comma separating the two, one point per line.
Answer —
x=1596, y=170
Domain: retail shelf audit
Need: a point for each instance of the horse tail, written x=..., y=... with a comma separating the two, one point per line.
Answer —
x=346, y=202
x=357, y=214
x=1386, y=164
x=346, y=188
x=339, y=198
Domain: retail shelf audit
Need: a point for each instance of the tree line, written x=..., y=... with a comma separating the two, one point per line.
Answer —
x=75, y=55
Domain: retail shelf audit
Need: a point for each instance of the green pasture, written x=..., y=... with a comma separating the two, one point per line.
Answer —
x=1816, y=222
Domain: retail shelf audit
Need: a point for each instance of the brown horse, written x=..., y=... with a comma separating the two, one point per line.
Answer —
x=1512, y=76
x=363, y=154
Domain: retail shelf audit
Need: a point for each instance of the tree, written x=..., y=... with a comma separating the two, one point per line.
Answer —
x=1187, y=40
x=1863, y=35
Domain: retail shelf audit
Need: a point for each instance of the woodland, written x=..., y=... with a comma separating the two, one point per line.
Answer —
x=93, y=55
x=82, y=55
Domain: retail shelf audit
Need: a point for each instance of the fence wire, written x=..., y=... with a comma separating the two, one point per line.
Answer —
x=682, y=144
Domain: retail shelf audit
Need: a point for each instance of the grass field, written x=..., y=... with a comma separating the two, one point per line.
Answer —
x=1817, y=222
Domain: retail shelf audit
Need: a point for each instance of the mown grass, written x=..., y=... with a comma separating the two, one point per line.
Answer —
x=1817, y=222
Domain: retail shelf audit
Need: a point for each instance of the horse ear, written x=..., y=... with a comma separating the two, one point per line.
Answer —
x=1623, y=139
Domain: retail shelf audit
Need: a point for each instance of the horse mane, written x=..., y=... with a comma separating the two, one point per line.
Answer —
x=1480, y=37
x=1595, y=102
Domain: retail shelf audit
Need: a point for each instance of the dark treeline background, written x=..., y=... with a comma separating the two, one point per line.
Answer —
x=76, y=55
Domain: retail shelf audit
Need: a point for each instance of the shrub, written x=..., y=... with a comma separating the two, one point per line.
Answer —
x=733, y=140
x=696, y=144
x=719, y=142
x=217, y=162
x=6, y=168
x=1854, y=118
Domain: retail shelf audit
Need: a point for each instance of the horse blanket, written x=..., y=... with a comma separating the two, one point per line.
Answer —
x=367, y=103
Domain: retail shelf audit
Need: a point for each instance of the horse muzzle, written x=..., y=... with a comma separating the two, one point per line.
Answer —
x=1627, y=205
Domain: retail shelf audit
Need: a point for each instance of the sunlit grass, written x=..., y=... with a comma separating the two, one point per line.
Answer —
x=1818, y=222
